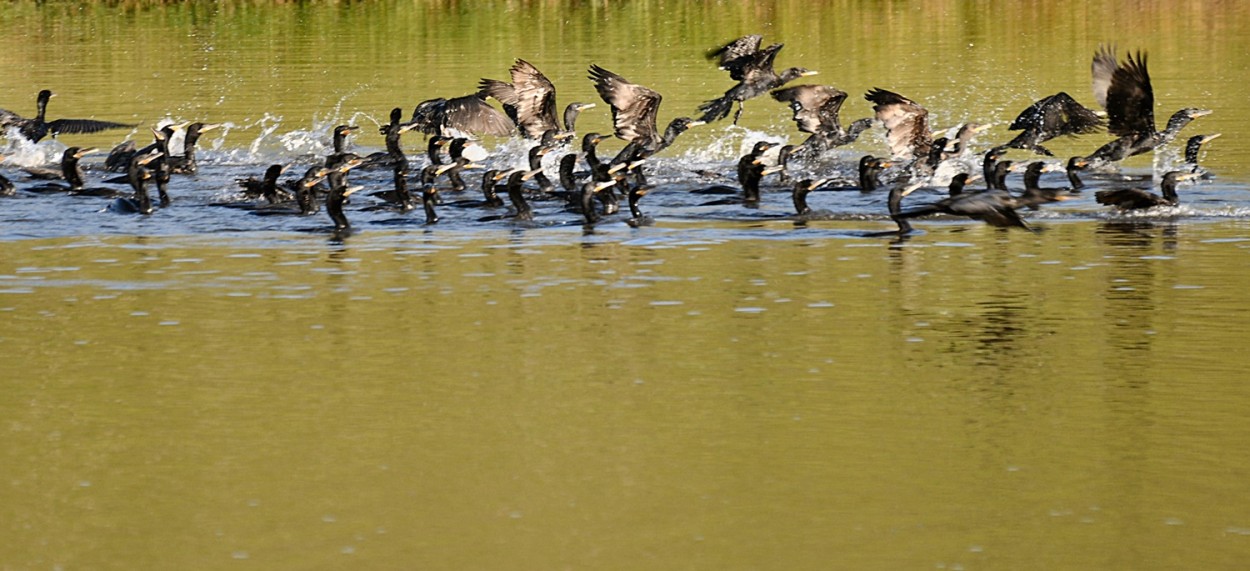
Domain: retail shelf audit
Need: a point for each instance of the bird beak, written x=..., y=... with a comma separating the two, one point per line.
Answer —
x=1189, y=176
x=84, y=152
x=585, y=106
x=349, y=165
x=603, y=185
x=696, y=123
x=149, y=158
x=772, y=170
x=617, y=167
x=885, y=164
x=158, y=134
x=284, y=167
x=981, y=128
x=182, y=126
x=819, y=183
x=405, y=127
x=809, y=72
x=444, y=168
x=209, y=127
x=972, y=178
x=1199, y=113
x=352, y=189
x=1015, y=167
x=1208, y=138
x=530, y=174
x=502, y=175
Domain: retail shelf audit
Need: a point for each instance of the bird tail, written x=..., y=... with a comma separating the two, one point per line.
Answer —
x=715, y=109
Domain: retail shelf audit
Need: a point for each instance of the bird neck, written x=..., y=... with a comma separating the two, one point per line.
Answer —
x=1074, y=179
x=1191, y=150
x=570, y=117
x=588, y=204
x=41, y=108
x=1169, y=190
x=868, y=179
x=72, y=173
x=1032, y=179
x=1175, y=124
x=800, y=200
x=634, y=198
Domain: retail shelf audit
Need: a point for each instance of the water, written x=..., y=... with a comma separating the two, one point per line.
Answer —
x=729, y=388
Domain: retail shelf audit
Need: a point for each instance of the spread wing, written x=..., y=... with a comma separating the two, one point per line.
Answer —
x=9, y=119
x=74, y=126
x=634, y=107
x=1130, y=99
x=757, y=68
x=1102, y=68
x=471, y=114
x=535, y=99
x=730, y=56
x=815, y=107
x=906, y=123
x=1057, y=115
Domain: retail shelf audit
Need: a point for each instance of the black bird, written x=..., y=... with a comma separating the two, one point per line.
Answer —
x=1124, y=90
x=906, y=124
x=460, y=116
x=530, y=101
x=816, y=109
x=490, y=191
x=636, y=217
x=516, y=195
x=1054, y=116
x=119, y=158
x=634, y=110
x=186, y=164
x=799, y=197
x=37, y=128
x=433, y=149
x=71, y=172
x=1192, y=147
x=746, y=163
x=589, y=190
x=161, y=170
x=568, y=178
x=1075, y=165
x=266, y=187
x=339, y=191
x=1138, y=199
x=305, y=191
x=1034, y=195
x=870, y=169
x=995, y=208
x=750, y=181
x=536, y=155
x=752, y=67
x=989, y=164
x=138, y=175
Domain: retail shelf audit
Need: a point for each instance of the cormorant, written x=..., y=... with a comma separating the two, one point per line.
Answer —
x=305, y=191
x=536, y=164
x=138, y=175
x=266, y=187
x=870, y=169
x=752, y=67
x=990, y=163
x=530, y=101
x=1074, y=166
x=799, y=195
x=37, y=128
x=589, y=190
x=1124, y=91
x=634, y=110
x=71, y=172
x=339, y=191
x=1192, y=147
x=995, y=208
x=906, y=124
x=186, y=164
x=1138, y=199
x=1054, y=116
x=460, y=116
x=119, y=158
x=432, y=149
x=816, y=110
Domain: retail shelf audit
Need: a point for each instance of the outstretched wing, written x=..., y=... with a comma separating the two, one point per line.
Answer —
x=634, y=107
x=1102, y=68
x=535, y=99
x=75, y=126
x=815, y=107
x=906, y=123
x=1130, y=99
x=1055, y=116
x=471, y=114
x=730, y=56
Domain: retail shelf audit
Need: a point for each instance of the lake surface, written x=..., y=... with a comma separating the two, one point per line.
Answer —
x=726, y=389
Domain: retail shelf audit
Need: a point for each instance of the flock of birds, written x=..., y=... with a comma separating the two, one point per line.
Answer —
x=1121, y=88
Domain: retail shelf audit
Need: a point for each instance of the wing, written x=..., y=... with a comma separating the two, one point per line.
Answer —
x=758, y=67
x=1102, y=68
x=76, y=126
x=815, y=106
x=1130, y=99
x=428, y=114
x=1057, y=115
x=471, y=114
x=733, y=51
x=504, y=93
x=536, y=99
x=906, y=123
x=634, y=107
x=9, y=119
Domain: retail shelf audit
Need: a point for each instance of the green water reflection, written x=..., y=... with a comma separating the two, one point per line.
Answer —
x=981, y=398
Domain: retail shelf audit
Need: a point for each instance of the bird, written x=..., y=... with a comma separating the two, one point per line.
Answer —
x=266, y=187
x=996, y=208
x=1074, y=166
x=461, y=116
x=634, y=111
x=70, y=172
x=340, y=191
x=1052, y=116
x=530, y=101
x=752, y=67
x=816, y=109
x=1138, y=199
x=906, y=124
x=799, y=197
x=1124, y=90
x=305, y=191
x=119, y=157
x=186, y=164
x=138, y=175
x=1192, y=147
x=35, y=129
x=870, y=169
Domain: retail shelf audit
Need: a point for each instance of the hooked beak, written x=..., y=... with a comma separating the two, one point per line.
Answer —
x=809, y=73
x=1208, y=138
x=606, y=184
x=1199, y=113
x=84, y=152
x=585, y=106
x=772, y=170
x=352, y=189
x=209, y=127
x=818, y=183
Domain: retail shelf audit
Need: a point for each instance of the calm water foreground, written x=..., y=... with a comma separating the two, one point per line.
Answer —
x=202, y=390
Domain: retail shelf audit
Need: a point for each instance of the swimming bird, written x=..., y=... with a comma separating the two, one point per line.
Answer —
x=906, y=124
x=634, y=110
x=1139, y=199
x=461, y=116
x=1034, y=195
x=71, y=172
x=536, y=155
x=752, y=67
x=138, y=175
x=530, y=101
x=799, y=196
x=1074, y=166
x=1192, y=147
x=870, y=169
x=35, y=129
x=521, y=209
x=490, y=191
x=266, y=187
x=119, y=157
x=589, y=190
x=816, y=109
x=433, y=149
x=995, y=208
x=989, y=164
x=636, y=217
x=1053, y=116
x=339, y=191
x=185, y=164
x=305, y=191
x=1124, y=90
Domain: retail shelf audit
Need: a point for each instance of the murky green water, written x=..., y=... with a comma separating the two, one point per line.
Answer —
x=697, y=395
